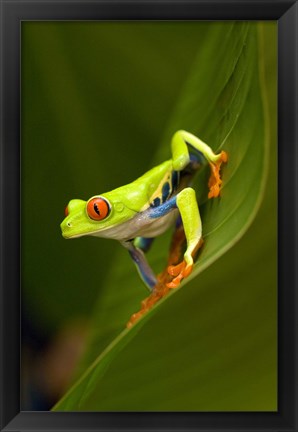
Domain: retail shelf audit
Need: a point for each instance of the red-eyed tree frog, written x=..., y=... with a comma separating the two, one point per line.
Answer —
x=136, y=213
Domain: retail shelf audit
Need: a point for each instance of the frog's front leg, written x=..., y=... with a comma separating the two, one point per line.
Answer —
x=143, y=243
x=144, y=270
x=184, y=145
x=188, y=207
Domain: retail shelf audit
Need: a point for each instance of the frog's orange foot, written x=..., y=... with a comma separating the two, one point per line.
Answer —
x=179, y=271
x=158, y=292
x=146, y=304
x=215, y=180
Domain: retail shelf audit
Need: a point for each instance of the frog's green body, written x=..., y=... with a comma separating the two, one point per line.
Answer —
x=126, y=202
x=135, y=213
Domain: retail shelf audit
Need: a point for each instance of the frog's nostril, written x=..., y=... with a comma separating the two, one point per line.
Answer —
x=68, y=224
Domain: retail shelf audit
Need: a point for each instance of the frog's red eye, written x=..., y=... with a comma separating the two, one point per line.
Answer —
x=98, y=208
x=66, y=212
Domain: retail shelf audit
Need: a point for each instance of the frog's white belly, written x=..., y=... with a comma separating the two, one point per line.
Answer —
x=139, y=226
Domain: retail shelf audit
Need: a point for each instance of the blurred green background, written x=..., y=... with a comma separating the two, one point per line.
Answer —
x=97, y=101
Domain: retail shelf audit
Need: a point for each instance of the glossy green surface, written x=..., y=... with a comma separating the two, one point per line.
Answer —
x=211, y=345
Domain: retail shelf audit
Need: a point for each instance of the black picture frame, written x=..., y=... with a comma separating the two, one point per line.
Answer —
x=12, y=14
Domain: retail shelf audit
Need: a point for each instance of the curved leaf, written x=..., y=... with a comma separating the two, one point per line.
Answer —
x=222, y=104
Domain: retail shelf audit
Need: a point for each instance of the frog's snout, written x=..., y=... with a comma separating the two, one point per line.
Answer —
x=74, y=212
x=65, y=226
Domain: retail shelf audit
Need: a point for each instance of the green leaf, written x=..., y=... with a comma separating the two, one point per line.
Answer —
x=208, y=346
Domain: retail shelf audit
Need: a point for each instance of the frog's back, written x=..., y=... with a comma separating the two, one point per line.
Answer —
x=161, y=182
x=150, y=190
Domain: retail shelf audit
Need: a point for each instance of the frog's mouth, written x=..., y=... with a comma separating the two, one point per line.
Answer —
x=68, y=231
x=114, y=231
x=67, y=237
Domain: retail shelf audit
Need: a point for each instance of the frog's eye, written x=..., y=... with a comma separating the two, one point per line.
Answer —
x=98, y=208
x=66, y=211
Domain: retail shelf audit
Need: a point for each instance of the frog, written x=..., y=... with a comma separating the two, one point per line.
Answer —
x=136, y=213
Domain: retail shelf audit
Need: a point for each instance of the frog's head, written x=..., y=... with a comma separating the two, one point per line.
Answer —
x=94, y=217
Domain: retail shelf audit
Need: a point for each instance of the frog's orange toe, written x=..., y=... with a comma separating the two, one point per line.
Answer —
x=180, y=271
x=214, y=191
x=224, y=156
x=174, y=270
x=215, y=180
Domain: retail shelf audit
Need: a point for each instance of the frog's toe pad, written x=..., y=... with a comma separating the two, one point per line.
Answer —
x=174, y=270
x=179, y=271
x=224, y=156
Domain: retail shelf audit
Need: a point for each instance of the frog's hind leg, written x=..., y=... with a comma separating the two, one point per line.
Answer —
x=187, y=148
x=177, y=248
x=177, y=243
